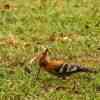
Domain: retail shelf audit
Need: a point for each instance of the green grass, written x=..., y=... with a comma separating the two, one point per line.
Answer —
x=69, y=28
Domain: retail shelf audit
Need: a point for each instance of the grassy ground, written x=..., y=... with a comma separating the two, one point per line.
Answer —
x=69, y=28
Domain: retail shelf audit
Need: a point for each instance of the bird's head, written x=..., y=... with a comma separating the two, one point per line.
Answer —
x=43, y=56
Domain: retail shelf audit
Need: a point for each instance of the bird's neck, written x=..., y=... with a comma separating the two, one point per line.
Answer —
x=43, y=62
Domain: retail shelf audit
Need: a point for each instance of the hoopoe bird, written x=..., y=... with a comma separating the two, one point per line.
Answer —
x=59, y=67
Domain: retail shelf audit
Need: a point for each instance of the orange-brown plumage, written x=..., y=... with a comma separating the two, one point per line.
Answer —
x=53, y=64
x=47, y=63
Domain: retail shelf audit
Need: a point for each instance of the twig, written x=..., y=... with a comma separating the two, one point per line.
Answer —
x=37, y=74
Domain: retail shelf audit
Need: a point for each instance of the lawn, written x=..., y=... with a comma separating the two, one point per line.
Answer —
x=69, y=28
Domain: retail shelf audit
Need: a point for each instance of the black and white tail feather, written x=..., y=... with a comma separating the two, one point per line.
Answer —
x=68, y=69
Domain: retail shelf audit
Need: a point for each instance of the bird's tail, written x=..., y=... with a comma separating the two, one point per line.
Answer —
x=86, y=69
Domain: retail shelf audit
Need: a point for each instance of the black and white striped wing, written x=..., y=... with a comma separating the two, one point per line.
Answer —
x=68, y=68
